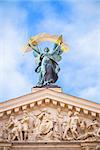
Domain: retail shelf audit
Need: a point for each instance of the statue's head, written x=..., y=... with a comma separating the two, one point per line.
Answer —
x=46, y=50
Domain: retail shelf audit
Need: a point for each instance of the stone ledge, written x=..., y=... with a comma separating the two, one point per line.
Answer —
x=48, y=145
x=56, y=88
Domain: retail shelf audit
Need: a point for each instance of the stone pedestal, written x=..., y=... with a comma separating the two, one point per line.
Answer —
x=54, y=88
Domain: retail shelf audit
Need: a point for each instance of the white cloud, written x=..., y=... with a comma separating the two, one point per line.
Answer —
x=91, y=93
x=79, y=67
x=13, y=37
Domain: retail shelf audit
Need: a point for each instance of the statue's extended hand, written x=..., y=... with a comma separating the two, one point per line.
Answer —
x=29, y=45
x=61, y=42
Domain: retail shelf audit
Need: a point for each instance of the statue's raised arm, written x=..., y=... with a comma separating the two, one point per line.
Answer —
x=34, y=46
x=58, y=49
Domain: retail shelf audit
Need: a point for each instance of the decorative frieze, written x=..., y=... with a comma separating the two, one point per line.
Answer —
x=50, y=124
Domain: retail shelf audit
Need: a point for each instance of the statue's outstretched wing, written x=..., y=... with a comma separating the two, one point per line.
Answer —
x=58, y=50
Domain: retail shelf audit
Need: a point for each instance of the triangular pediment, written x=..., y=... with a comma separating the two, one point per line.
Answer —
x=48, y=114
x=55, y=96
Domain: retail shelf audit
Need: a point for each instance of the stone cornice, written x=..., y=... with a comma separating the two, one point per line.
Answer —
x=56, y=97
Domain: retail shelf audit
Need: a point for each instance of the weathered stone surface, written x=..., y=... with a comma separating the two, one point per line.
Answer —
x=49, y=119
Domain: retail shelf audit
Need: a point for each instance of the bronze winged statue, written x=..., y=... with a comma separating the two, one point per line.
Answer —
x=47, y=62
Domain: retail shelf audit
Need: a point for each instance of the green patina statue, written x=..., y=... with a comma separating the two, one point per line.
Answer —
x=47, y=62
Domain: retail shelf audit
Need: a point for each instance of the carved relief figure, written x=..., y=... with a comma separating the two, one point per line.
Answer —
x=92, y=131
x=3, y=135
x=59, y=119
x=98, y=132
x=14, y=129
x=25, y=124
x=46, y=125
x=74, y=124
x=56, y=131
x=17, y=130
x=34, y=123
x=57, y=123
x=67, y=126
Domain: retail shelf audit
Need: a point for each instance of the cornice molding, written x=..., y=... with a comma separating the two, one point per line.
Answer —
x=48, y=95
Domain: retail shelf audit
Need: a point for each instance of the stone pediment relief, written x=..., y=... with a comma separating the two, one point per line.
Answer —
x=49, y=116
x=49, y=123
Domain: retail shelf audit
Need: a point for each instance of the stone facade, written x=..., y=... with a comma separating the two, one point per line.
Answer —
x=47, y=119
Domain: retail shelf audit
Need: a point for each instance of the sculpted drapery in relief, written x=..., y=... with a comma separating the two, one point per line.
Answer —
x=92, y=131
x=74, y=125
x=3, y=134
x=47, y=126
x=14, y=129
x=57, y=125
x=25, y=125
x=66, y=126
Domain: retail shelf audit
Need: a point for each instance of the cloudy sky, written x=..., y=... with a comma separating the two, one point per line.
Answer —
x=77, y=20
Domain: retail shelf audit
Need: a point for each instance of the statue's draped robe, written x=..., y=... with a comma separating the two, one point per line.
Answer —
x=50, y=68
x=47, y=67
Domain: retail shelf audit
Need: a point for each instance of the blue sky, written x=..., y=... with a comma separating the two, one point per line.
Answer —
x=77, y=20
